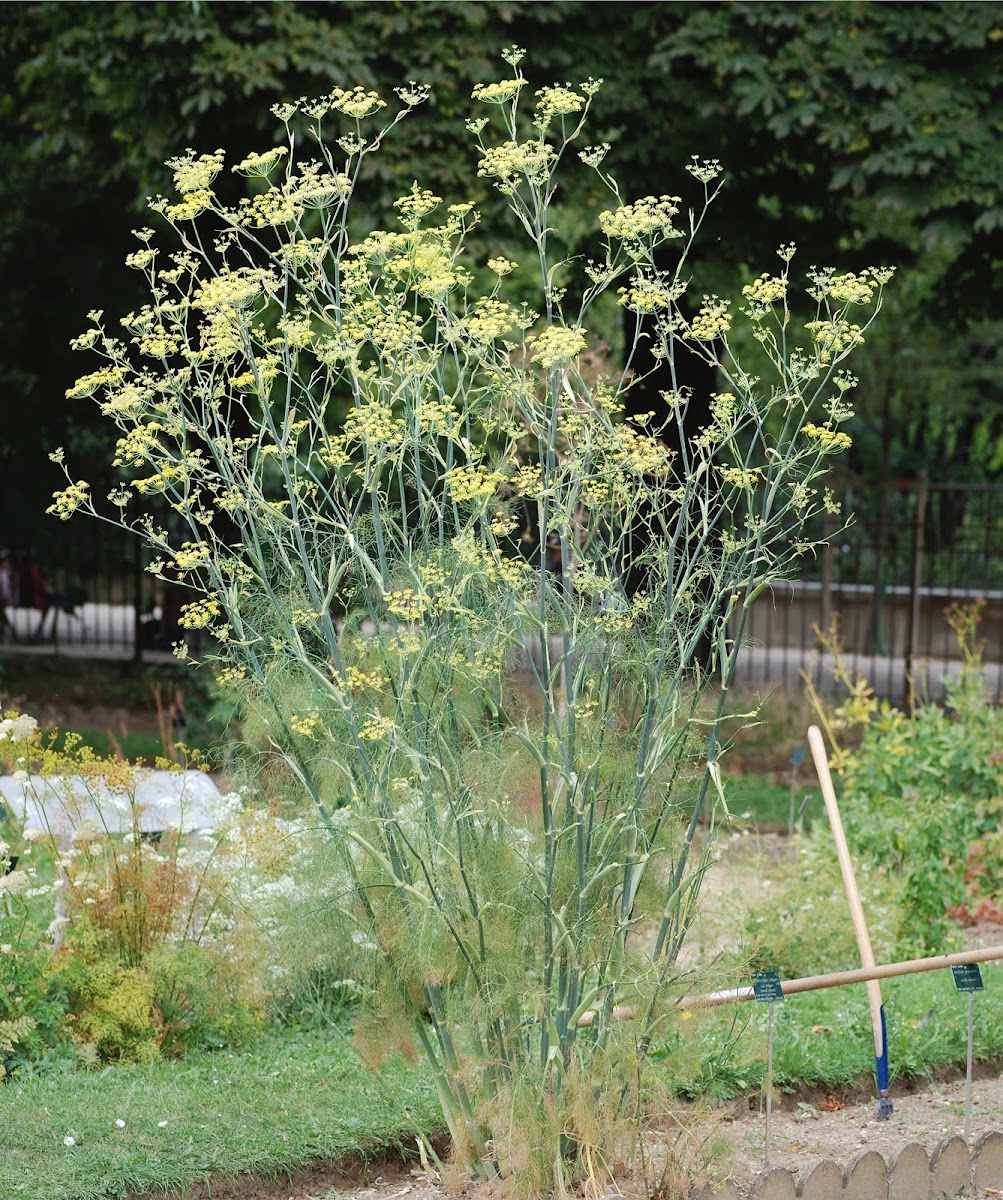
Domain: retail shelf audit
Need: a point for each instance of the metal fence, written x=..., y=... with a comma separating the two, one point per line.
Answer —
x=92, y=595
x=913, y=549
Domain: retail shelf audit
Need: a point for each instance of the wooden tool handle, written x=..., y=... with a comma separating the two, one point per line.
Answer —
x=821, y=759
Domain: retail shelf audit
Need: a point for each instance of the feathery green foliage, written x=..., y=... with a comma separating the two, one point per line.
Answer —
x=395, y=491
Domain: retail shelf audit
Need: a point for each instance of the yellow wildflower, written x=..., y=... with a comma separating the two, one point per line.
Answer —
x=497, y=93
x=557, y=345
x=501, y=266
x=140, y=259
x=467, y=484
x=848, y=288
x=261, y=164
x=532, y=158
x=490, y=319
x=643, y=221
x=705, y=170
x=557, y=101
x=739, y=477
x=712, y=321
x=305, y=726
x=87, y=385
x=200, y=614
x=66, y=502
x=191, y=206
x=376, y=728
x=358, y=103
x=829, y=441
x=767, y=289
x=648, y=293
x=407, y=604
x=194, y=175
x=191, y=555
x=418, y=203
x=834, y=336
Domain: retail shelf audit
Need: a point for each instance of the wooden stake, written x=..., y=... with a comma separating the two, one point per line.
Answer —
x=821, y=759
x=814, y=983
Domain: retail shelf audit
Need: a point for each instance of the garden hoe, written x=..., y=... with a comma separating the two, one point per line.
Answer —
x=818, y=753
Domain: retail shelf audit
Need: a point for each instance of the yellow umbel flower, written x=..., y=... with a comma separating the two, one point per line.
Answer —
x=767, y=289
x=532, y=158
x=200, y=614
x=557, y=101
x=66, y=502
x=194, y=175
x=261, y=164
x=712, y=321
x=467, y=484
x=643, y=221
x=497, y=93
x=829, y=441
x=556, y=346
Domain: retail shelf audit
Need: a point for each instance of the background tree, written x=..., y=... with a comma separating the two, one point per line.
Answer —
x=882, y=121
x=878, y=121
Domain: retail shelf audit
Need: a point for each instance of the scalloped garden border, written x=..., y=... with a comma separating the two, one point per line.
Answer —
x=911, y=1174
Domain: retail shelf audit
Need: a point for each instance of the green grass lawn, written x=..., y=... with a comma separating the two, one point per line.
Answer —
x=296, y=1098
x=141, y=747
x=765, y=804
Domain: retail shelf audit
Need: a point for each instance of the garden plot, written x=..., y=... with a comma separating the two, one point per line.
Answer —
x=810, y=1124
x=805, y=1139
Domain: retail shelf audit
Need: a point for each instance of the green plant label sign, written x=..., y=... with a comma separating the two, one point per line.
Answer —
x=767, y=986
x=967, y=978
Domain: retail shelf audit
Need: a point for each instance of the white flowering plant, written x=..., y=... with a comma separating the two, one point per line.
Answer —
x=32, y=1012
x=413, y=520
x=149, y=918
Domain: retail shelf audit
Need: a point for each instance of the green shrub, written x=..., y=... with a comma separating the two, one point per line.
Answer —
x=920, y=791
x=111, y=1011
x=137, y=944
x=202, y=999
x=32, y=1006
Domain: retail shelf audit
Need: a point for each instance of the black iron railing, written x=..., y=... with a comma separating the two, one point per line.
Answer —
x=913, y=550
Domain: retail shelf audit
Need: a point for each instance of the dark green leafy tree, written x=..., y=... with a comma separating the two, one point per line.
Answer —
x=97, y=96
x=882, y=121
x=878, y=121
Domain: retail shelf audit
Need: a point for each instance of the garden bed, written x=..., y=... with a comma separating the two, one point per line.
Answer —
x=807, y=1128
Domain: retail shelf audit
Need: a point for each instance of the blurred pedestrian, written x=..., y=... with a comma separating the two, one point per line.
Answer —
x=8, y=593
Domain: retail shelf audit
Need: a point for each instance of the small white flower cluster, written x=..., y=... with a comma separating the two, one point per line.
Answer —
x=18, y=729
